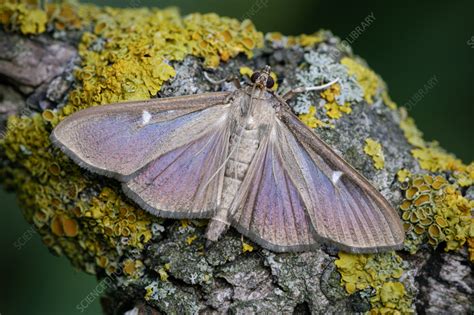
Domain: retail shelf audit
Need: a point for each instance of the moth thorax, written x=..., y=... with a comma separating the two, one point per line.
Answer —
x=251, y=123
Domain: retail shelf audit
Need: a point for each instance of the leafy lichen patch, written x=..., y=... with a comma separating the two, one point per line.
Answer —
x=278, y=40
x=380, y=273
x=435, y=211
x=374, y=149
x=22, y=17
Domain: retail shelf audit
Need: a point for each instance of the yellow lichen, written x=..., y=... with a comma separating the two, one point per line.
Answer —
x=133, y=268
x=304, y=40
x=368, y=80
x=470, y=243
x=333, y=109
x=70, y=14
x=374, y=149
x=70, y=226
x=128, y=55
x=185, y=223
x=246, y=247
x=247, y=71
x=433, y=158
x=308, y=40
x=191, y=239
x=336, y=111
x=310, y=120
x=331, y=93
x=388, y=101
x=379, y=272
x=435, y=211
x=135, y=66
x=392, y=298
x=163, y=272
x=27, y=18
x=411, y=132
x=403, y=175
x=129, y=266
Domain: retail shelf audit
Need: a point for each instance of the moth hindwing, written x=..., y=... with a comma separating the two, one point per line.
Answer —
x=241, y=159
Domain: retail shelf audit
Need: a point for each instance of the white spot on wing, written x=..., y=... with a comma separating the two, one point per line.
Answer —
x=336, y=176
x=146, y=117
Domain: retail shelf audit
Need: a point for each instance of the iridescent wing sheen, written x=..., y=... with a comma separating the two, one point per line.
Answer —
x=304, y=191
x=117, y=140
x=163, y=150
x=268, y=207
x=345, y=209
x=187, y=181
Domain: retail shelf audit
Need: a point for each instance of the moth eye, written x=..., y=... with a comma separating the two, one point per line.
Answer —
x=270, y=82
x=254, y=77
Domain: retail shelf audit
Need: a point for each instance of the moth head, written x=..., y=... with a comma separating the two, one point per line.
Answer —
x=262, y=79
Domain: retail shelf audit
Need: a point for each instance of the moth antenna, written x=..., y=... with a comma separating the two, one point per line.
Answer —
x=216, y=82
x=230, y=78
x=320, y=87
x=303, y=89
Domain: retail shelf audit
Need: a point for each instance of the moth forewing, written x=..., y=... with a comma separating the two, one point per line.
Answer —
x=185, y=182
x=116, y=141
x=362, y=218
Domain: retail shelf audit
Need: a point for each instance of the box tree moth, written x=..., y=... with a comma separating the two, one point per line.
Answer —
x=239, y=158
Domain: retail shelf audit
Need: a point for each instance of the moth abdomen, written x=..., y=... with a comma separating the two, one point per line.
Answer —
x=243, y=146
x=236, y=170
x=244, y=143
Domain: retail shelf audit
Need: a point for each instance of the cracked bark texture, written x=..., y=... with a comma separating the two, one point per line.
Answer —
x=36, y=74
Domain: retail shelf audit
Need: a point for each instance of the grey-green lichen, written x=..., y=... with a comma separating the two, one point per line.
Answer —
x=322, y=68
x=165, y=262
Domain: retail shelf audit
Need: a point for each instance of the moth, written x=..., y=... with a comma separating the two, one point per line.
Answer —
x=239, y=158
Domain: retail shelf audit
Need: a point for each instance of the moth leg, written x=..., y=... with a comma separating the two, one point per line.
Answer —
x=218, y=225
x=290, y=94
x=231, y=78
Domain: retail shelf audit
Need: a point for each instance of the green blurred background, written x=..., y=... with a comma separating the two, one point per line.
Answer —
x=408, y=43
